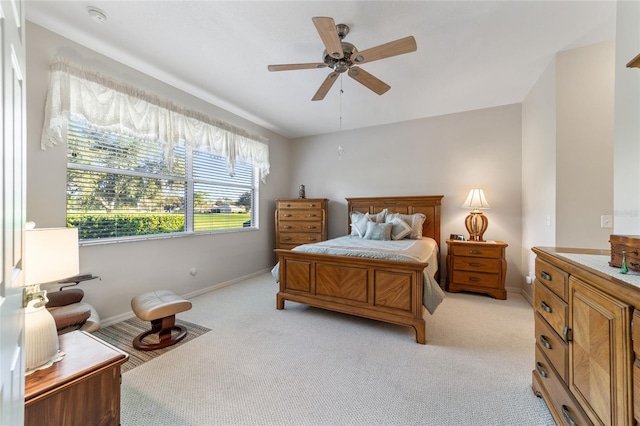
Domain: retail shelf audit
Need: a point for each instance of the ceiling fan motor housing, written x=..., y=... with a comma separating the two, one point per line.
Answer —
x=343, y=64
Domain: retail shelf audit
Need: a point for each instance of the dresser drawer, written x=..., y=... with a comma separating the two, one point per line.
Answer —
x=286, y=215
x=476, y=279
x=299, y=238
x=476, y=250
x=553, y=309
x=293, y=226
x=560, y=401
x=555, y=279
x=475, y=264
x=553, y=346
x=299, y=204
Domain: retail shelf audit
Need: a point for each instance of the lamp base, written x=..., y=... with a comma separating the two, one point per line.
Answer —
x=476, y=224
x=41, y=338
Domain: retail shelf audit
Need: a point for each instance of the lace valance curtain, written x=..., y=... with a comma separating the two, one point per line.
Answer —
x=105, y=104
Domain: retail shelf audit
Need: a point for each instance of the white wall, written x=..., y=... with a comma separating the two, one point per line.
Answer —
x=626, y=189
x=567, y=147
x=538, y=170
x=131, y=268
x=446, y=155
x=584, y=144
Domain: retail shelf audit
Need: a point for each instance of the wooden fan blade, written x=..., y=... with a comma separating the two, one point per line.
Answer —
x=325, y=86
x=327, y=29
x=288, y=67
x=393, y=48
x=368, y=80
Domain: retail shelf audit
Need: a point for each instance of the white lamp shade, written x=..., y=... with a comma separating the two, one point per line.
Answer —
x=50, y=254
x=476, y=200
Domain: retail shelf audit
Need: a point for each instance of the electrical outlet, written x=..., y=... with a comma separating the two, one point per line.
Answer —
x=605, y=221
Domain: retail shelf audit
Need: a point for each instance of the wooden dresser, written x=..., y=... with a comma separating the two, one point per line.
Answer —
x=300, y=221
x=478, y=266
x=587, y=351
x=81, y=389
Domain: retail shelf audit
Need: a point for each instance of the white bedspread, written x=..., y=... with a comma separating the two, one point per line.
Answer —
x=422, y=250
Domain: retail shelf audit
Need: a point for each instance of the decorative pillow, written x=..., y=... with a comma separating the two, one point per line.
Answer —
x=359, y=223
x=378, y=231
x=399, y=229
x=414, y=220
x=378, y=217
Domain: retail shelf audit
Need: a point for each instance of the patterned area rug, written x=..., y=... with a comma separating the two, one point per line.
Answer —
x=121, y=336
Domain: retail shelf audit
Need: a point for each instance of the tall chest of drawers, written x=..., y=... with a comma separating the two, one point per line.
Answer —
x=478, y=266
x=587, y=365
x=300, y=221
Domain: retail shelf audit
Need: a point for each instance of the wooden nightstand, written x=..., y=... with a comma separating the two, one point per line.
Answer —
x=81, y=389
x=478, y=266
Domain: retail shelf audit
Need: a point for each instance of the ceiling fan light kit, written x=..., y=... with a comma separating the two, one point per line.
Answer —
x=342, y=56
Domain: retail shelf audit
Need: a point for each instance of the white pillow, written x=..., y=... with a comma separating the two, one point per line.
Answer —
x=359, y=223
x=378, y=231
x=378, y=217
x=414, y=220
x=399, y=229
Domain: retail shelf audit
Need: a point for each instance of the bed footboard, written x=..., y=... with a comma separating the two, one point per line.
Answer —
x=379, y=289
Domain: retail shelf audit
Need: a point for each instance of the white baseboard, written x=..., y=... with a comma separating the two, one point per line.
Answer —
x=125, y=316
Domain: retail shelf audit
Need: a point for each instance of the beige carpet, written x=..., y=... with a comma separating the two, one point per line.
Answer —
x=307, y=366
x=121, y=336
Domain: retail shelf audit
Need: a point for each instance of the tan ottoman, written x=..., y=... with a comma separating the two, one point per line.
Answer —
x=160, y=307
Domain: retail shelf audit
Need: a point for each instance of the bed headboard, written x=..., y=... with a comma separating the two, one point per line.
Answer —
x=429, y=205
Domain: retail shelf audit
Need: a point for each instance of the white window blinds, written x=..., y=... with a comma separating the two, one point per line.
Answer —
x=107, y=105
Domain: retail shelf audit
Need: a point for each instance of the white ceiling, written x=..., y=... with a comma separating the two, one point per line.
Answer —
x=471, y=54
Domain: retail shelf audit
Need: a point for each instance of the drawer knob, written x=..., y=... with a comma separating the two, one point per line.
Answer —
x=545, y=342
x=635, y=265
x=567, y=416
x=312, y=215
x=474, y=279
x=287, y=238
x=311, y=227
x=312, y=205
x=541, y=370
x=311, y=239
x=474, y=251
x=545, y=276
x=475, y=264
x=567, y=334
x=288, y=205
x=545, y=307
x=287, y=226
x=287, y=215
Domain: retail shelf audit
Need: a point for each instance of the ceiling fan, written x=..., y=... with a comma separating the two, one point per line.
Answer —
x=344, y=57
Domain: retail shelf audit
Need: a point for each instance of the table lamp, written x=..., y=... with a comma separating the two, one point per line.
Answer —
x=476, y=222
x=50, y=254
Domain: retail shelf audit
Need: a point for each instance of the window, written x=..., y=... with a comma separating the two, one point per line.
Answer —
x=121, y=187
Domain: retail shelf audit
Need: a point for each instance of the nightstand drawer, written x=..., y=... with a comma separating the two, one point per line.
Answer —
x=552, y=345
x=299, y=238
x=553, y=278
x=299, y=215
x=476, y=250
x=292, y=226
x=550, y=307
x=476, y=279
x=476, y=264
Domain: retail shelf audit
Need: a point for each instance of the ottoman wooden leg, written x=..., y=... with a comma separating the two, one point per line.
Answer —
x=164, y=327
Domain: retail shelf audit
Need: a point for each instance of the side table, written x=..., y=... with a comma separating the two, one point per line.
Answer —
x=81, y=389
x=478, y=266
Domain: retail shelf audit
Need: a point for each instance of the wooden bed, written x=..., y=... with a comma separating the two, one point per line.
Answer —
x=383, y=290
